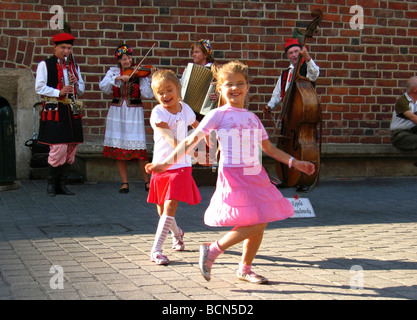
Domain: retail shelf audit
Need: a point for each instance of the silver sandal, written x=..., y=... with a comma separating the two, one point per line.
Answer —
x=252, y=277
x=205, y=270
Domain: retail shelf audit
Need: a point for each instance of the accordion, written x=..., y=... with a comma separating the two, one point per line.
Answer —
x=197, y=87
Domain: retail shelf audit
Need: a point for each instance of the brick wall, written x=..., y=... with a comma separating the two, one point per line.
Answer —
x=362, y=70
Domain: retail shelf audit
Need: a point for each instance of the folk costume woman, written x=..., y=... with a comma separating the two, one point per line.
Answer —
x=125, y=137
x=202, y=55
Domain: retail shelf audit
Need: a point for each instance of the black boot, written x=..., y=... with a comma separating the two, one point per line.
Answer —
x=62, y=178
x=52, y=180
x=302, y=188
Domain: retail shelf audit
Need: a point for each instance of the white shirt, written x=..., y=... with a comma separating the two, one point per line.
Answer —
x=313, y=72
x=178, y=124
x=403, y=123
x=43, y=89
x=106, y=85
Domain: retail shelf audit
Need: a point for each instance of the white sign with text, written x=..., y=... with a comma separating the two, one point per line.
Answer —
x=302, y=208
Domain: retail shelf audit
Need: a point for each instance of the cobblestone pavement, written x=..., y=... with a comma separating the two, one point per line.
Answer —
x=95, y=245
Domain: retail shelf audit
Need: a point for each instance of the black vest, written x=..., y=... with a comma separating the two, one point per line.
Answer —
x=61, y=127
x=51, y=65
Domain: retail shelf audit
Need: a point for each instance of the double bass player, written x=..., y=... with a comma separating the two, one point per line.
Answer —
x=309, y=69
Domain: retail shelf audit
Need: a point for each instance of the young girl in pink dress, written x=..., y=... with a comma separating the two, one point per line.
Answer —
x=170, y=120
x=244, y=197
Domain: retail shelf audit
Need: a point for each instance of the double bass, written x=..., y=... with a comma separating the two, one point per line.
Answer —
x=301, y=122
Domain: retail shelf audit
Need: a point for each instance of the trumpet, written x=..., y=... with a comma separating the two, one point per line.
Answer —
x=71, y=96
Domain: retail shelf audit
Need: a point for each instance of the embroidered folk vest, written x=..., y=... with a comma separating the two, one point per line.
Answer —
x=56, y=74
x=129, y=91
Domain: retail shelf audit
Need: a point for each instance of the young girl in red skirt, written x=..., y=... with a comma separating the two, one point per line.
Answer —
x=244, y=197
x=170, y=120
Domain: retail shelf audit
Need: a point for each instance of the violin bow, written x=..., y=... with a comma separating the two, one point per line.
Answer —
x=140, y=63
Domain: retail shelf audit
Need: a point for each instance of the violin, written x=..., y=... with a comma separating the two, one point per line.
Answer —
x=141, y=72
x=138, y=70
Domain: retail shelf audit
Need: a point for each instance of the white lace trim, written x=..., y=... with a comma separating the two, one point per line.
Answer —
x=124, y=144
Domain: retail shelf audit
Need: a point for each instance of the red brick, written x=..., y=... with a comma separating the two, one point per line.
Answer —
x=359, y=68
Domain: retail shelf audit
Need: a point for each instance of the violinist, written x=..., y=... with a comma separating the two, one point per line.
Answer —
x=125, y=136
x=308, y=69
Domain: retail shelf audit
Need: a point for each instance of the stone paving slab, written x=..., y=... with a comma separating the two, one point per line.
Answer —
x=361, y=245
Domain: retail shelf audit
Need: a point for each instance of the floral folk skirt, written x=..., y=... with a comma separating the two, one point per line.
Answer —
x=125, y=137
x=123, y=154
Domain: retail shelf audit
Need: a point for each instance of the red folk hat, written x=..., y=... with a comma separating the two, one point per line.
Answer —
x=63, y=38
x=289, y=43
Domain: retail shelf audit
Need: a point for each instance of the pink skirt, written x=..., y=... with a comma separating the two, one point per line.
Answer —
x=177, y=184
x=243, y=199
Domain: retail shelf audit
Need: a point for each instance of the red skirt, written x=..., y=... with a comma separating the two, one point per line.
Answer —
x=177, y=184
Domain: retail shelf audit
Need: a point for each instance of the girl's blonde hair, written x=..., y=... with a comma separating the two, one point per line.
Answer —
x=163, y=75
x=235, y=66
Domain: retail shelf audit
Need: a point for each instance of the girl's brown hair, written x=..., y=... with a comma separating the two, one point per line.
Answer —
x=219, y=73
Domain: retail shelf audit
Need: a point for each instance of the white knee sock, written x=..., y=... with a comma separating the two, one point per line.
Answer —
x=161, y=232
x=175, y=230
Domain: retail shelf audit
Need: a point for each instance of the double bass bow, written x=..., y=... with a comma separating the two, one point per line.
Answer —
x=301, y=122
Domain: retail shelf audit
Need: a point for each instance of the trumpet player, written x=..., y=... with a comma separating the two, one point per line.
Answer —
x=59, y=82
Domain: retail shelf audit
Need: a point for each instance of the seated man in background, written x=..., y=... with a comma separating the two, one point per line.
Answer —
x=404, y=119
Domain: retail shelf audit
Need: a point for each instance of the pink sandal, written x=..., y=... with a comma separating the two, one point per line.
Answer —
x=159, y=258
x=178, y=242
